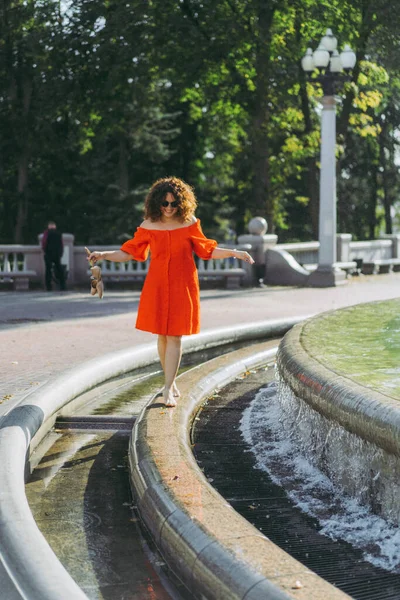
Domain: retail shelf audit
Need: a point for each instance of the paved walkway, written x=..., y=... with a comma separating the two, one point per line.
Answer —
x=43, y=334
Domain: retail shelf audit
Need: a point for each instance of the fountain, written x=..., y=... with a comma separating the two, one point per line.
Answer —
x=328, y=430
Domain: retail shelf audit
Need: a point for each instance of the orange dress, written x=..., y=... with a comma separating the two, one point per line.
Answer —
x=170, y=299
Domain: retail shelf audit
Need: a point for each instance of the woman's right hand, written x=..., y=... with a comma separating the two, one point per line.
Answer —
x=243, y=255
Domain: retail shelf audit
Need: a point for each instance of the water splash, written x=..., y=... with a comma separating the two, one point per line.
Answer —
x=348, y=484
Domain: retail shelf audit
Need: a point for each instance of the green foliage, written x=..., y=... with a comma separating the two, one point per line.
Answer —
x=101, y=98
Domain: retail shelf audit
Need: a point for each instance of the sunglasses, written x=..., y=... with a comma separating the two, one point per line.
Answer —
x=173, y=204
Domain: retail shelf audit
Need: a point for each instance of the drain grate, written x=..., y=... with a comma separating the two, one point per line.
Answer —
x=97, y=422
x=24, y=320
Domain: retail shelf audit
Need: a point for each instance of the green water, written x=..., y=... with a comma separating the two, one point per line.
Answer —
x=361, y=342
x=128, y=394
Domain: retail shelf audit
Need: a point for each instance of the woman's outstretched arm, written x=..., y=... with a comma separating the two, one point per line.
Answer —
x=232, y=253
x=112, y=255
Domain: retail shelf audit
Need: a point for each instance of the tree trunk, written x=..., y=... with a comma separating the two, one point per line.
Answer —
x=263, y=203
x=123, y=167
x=23, y=161
x=187, y=142
x=373, y=202
x=367, y=26
x=385, y=176
x=312, y=171
x=22, y=189
x=313, y=194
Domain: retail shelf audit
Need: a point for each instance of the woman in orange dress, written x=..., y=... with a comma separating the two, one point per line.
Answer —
x=169, y=304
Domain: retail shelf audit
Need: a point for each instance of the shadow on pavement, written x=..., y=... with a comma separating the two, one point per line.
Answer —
x=21, y=309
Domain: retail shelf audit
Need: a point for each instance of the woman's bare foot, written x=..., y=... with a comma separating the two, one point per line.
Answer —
x=169, y=399
x=175, y=391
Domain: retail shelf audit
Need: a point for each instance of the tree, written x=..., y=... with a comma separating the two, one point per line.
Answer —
x=103, y=98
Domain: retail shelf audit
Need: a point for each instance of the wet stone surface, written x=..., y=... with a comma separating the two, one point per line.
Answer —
x=127, y=394
x=79, y=495
x=230, y=467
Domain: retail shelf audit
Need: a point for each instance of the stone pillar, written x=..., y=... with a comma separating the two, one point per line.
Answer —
x=35, y=262
x=326, y=275
x=68, y=256
x=343, y=247
x=395, y=237
x=81, y=266
x=260, y=242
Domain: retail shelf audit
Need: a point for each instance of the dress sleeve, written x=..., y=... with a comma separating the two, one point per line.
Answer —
x=138, y=246
x=202, y=246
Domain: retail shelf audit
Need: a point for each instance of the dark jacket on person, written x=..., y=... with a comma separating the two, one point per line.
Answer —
x=52, y=244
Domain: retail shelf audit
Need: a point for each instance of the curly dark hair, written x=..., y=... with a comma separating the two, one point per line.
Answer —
x=181, y=191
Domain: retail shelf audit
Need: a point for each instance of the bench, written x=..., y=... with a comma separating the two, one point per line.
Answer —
x=20, y=279
x=231, y=277
x=380, y=265
x=223, y=270
x=350, y=267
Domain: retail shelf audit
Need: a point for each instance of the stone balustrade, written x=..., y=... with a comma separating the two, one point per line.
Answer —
x=304, y=252
x=371, y=250
x=366, y=250
x=22, y=264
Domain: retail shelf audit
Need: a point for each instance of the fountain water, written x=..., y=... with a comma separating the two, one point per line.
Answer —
x=348, y=484
x=328, y=430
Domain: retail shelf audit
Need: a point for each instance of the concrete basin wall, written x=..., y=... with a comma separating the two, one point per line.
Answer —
x=29, y=569
x=212, y=549
x=356, y=436
x=373, y=416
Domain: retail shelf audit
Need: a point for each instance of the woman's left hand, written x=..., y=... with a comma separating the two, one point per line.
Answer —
x=243, y=255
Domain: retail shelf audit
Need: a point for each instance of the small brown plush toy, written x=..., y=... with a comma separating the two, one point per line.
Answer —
x=96, y=282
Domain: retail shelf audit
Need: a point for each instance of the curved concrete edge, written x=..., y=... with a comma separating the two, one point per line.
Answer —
x=212, y=549
x=368, y=414
x=28, y=567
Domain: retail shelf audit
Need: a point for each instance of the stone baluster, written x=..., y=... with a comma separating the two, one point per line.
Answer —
x=260, y=242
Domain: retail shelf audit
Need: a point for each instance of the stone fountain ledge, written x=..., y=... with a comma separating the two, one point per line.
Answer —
x=29, y=569
x=367, y=413
x=210, y=547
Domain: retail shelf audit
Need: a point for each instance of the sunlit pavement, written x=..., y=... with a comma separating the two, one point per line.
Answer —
x=43, y=334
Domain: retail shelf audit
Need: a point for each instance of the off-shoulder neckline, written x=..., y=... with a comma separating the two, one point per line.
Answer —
x=175, y=228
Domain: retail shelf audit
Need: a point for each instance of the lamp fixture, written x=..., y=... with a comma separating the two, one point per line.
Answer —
x=332, y=68
x=348, y=57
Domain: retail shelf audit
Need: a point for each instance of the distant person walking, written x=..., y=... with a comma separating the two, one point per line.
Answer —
x=169, y=304
x=53, y=248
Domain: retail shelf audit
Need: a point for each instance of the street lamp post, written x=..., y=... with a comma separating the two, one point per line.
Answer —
x=330, y=66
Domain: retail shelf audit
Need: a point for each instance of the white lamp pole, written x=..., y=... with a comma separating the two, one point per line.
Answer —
x=329, y=65
x=327, y=191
